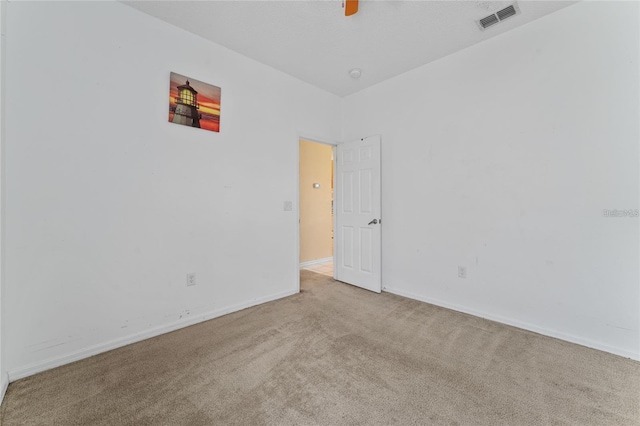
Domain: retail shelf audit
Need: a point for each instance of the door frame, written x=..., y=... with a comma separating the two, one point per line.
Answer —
x=333, y=144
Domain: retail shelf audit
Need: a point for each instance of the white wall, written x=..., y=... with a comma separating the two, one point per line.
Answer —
x=4, y=381
x=109, y=206
x=501, y=158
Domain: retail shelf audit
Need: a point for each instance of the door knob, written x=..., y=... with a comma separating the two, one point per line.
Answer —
x=373, y=222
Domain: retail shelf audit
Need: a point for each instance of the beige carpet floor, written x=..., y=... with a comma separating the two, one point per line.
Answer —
x=336, y=355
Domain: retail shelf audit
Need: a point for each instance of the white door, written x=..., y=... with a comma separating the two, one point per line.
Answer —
x=357, y=246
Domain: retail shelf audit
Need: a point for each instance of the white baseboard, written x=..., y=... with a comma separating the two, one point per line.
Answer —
x=315, y=262
x=4, y=384
x=519, y=324
x=38, y=367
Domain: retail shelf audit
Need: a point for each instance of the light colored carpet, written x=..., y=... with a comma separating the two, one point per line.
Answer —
x=336, y=355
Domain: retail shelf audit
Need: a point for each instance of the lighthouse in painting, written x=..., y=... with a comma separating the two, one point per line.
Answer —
x=194, y=103
x=187, y=106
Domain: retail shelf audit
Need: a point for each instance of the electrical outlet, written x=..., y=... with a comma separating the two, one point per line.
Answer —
x=462, y=271
x=191, y=279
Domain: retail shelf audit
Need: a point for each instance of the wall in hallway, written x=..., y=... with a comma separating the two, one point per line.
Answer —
x=316, y=219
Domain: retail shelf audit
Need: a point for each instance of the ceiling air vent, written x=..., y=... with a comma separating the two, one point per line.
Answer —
x=498, y=16
x=488, y=21
x=506, y=12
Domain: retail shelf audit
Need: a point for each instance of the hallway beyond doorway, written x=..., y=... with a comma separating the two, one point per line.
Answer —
x=324, y=268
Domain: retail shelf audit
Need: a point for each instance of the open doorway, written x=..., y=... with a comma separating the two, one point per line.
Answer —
x=316, y=206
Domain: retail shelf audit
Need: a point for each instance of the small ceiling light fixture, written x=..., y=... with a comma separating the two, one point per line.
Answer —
x=355, y=73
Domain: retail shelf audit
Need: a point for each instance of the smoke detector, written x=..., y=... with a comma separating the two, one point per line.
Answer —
x=498, y=16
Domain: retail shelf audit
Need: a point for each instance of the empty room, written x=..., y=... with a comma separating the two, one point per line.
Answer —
x=320, y=212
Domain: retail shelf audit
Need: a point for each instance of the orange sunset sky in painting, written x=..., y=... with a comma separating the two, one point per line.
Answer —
x=208, y=100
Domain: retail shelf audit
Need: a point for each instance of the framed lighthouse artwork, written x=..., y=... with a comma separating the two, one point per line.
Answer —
x=194, y=103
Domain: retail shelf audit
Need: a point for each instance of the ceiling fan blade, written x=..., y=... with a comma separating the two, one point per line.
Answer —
x=350, y=7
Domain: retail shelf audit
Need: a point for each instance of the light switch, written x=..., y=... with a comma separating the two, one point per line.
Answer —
x=288, y=206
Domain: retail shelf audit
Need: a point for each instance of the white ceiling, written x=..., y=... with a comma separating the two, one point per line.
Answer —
x=313, y=40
